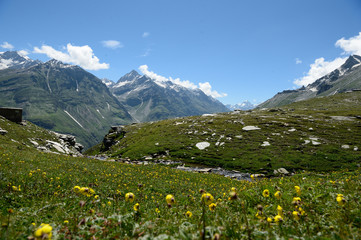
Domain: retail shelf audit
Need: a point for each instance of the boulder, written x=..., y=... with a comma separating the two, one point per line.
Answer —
x=3, y=132
x=280, y=171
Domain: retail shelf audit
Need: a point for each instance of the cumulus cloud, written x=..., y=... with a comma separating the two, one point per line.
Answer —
x=78, y=55
x=7, y=45
x=318, y=69
x=351, y=45
x=113, y=44
x=205, y=87
x=321, y=67
x=145, y=34
x=23, y=53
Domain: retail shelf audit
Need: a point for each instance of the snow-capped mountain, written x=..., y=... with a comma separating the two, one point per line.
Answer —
x=14, y=60
x=148, y=100
x=246, y=105
x=107, y=82
x=64, y=98
x=345, y=78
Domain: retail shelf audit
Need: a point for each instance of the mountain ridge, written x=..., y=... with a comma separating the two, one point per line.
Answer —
x=345, y=78
x=147, y=99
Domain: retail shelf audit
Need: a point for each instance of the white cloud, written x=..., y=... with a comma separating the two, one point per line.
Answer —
x=298, y=61
x=112, y=44
x=7, y=45
x=78, y=55
x=350, y=46
x=205, y=87
x=145, y=34
x=321, y=67
x=23, y=53
x=318, y=69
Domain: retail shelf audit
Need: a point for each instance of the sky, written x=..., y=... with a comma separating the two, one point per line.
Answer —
x=232, y=50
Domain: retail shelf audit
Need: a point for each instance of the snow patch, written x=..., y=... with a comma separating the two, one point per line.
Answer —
x=73, y=118
x=100, y=114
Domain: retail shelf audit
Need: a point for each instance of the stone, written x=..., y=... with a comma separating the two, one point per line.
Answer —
x=345, y=146
x=34, y=143
x=281, y=171
x=3, y=132
x=202, y=145
x=265, y=144
x=250, y=128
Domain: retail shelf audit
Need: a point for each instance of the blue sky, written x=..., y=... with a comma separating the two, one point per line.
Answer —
x=233, y=50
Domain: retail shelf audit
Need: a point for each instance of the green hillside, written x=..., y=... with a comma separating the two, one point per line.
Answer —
x=53, y=196
x=318, y=134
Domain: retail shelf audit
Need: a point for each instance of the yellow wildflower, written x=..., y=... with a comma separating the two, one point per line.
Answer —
x=278, y=195
x=189, y=214
x=66, y=222
x=212, y=206
x=298, y=190
x=260, y=215
x=207, y=198
x=170, y=199
x=280, y=210
x=157, y=211
x=136, y=207
x=296, y=215
x=265, y=193
x=96, y=196
x=269, y=219
x=340, y=200
x=129, y=197
x=76, y=189
x=278, y=218
x=44, y=232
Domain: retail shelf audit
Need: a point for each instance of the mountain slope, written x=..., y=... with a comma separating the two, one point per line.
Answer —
x=316, y=134
x=63, y=98
x=345, y=78
x=150, y=100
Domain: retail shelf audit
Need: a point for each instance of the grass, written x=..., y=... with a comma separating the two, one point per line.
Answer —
x=286, y=129
x=39, y=188
x=84, y=198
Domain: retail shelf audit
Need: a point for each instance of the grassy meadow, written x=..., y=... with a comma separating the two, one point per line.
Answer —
x=83, y=198
x=53, y=196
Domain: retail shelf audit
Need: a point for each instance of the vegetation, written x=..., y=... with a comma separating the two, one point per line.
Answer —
x=53, y=196
x=317, y=134
x=83, y=198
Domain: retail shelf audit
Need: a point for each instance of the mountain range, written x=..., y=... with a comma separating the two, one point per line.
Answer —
x=149, y=100
x=60, y=97
x=345, y=78
x=67, y=99
x=246, y=105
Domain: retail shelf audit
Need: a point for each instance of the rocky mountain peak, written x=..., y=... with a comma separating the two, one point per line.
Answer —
x=12, y=59
x=132, y=75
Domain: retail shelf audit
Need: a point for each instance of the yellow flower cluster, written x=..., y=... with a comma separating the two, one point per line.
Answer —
x=43, y=232
x=86, y=191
